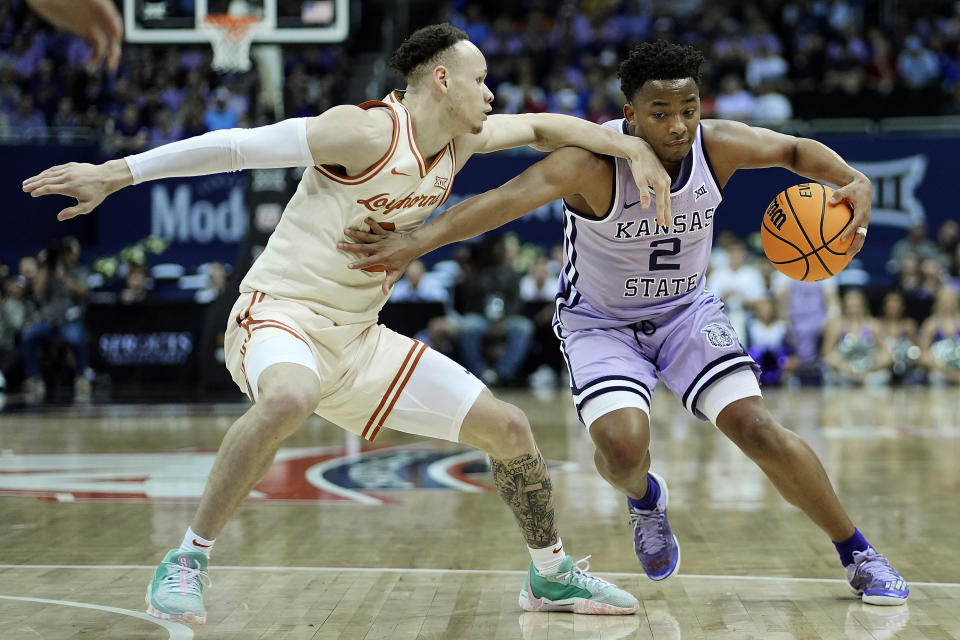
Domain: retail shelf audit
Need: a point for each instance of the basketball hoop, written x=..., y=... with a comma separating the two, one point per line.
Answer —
x=230, y=36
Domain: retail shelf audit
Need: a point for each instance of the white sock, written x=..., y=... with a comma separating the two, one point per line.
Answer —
x=193, y=542
x=547, y=560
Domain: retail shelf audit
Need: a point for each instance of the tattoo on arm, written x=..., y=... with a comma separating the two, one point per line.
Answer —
x=524, y=484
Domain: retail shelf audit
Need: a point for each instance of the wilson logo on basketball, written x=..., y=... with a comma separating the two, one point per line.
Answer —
x=383, y=204
x=776, y=215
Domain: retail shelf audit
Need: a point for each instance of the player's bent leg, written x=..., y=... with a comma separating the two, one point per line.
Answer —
x=287, y=395
x=788, y=461
x=796, y=471
x=523, y=481
x=622, y=438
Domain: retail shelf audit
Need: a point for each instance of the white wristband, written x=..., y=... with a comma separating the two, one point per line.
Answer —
x=275, y=146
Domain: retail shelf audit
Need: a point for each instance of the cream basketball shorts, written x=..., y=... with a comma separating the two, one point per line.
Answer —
x=371, y=377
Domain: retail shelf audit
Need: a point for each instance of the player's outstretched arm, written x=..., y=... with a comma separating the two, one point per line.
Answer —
x=734, y=145
x=564, y=172
x=550, y=131
x=347, y=136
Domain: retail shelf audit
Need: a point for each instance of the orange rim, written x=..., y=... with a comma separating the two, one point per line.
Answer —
x=233, y=24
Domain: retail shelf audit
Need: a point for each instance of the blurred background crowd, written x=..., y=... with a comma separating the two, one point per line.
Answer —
x=768, y=61
x=490, y=306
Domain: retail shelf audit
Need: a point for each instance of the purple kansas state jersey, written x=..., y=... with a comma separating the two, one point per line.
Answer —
x=645, y=270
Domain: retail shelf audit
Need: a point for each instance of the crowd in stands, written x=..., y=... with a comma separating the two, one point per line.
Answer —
x=767, y=60
x=159, y=93
x=43, y=301
x=496, y=301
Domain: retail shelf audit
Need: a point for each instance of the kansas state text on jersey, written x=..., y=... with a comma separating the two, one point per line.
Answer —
x=624, y=267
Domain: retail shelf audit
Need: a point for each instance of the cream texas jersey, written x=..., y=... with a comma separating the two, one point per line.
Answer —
x=301, y=261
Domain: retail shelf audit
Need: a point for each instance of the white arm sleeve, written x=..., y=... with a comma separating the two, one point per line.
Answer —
x=275, y=146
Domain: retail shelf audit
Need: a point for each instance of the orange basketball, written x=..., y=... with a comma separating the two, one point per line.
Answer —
x=801, y=232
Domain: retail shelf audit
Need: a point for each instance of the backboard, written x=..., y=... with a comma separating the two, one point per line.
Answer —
x=283, y=21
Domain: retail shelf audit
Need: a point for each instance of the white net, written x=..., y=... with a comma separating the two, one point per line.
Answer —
x=230, y=36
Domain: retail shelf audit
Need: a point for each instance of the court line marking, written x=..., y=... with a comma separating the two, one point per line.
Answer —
x=616, y=574
x=176, y=630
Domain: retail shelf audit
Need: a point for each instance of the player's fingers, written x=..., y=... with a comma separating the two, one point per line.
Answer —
x=98, y=43
x=48, y=189
x=46, y=173
x=858, y=220
x=388, y=281
x=362, y=236
x=667, y=207
x=392, y=276
x=374, y=226
x=113, y=57
x=358, y=248
x=859, y=238
x=662, y=192
x=72, y=212
x=113, y=22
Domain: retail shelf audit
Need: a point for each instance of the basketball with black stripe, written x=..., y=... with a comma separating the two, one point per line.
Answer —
x=801, y=232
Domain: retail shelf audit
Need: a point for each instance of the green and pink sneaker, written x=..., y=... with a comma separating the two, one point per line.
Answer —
x=573, y=589
x=176, y=592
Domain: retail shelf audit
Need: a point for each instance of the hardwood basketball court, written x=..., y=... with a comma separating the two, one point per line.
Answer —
x=405, y=540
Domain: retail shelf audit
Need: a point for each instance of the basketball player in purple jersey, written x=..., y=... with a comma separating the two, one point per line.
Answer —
x=632, y=305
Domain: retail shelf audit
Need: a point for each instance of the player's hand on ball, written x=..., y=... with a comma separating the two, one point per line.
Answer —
x=859, y=196
x=76, y=180
x=380, y=249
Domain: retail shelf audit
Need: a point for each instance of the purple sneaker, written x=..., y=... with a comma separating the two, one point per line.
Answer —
x=872, y=577
x=653, y=539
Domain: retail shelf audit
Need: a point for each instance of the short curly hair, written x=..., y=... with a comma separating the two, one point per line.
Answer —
x=424, y=46
x=658, y=60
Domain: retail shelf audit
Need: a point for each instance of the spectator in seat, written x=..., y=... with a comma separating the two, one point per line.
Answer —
x=217, y=278
x=853, y=348
x=137, y=286
x=417, y=286
x=900, y=337
x=488, y=301
x=28, y=121
x=130, y=136
x=916, y=243
x=13, y=317
x=940, y=338
x=917, y=66
x=539, y=284
x=61, y=292
x=948, y=239
x=738, y=283
x=219, y=116
x=767, y=343
x=734, y=102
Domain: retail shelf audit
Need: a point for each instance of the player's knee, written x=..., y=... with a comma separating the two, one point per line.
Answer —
x=510, y=433
x=623, y=443
x=287, y=408
x=758, y=434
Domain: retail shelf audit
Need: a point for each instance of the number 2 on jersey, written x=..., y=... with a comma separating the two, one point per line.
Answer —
x=656, y=254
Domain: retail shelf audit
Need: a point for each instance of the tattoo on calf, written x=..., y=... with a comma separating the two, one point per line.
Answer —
x=524, y=484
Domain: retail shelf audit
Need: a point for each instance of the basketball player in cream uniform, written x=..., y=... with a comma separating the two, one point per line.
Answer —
x=301, y=280
x=632, y=308
x=303, y=336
